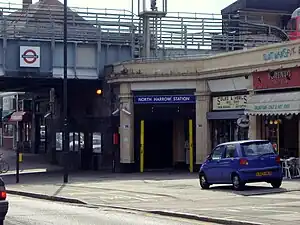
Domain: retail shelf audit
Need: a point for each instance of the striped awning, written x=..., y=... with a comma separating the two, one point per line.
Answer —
x=274, y=104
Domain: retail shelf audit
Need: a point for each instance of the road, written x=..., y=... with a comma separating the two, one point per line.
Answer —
x=28, y=211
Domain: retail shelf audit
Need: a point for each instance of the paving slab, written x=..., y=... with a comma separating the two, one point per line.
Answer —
x=31, y=163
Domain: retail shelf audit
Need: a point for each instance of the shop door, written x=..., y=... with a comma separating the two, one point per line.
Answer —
x=87, y=151
x=226, y=131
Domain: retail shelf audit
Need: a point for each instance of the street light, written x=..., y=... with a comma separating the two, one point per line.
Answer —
x=98, y=91
x=65, y=95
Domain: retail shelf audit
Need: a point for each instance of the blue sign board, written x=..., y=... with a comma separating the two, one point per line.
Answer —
x=164, y=99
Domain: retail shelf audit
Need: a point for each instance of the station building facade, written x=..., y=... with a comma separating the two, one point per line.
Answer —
x=173, y=113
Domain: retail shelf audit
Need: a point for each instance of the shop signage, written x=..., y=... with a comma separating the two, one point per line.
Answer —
x=230, y=102
x=285, y=78
x=272, y=106
x=160, y=99
x=30, y=56
x=243, y=122
x=282, y=53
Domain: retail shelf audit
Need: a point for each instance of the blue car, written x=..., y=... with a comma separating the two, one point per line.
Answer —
x=242, y=162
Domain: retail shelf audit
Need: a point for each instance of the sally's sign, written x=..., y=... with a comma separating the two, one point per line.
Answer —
x=230, y=102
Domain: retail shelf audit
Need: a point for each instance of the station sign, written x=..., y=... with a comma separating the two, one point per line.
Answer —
x=165, y=99
x=30, y=56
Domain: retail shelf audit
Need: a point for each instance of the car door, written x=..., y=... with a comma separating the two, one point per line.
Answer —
x=213, y=171
x=227, y=162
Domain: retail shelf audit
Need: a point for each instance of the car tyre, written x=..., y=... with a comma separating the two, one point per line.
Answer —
x=236, y=183
x=276, y=183
x=203, y=181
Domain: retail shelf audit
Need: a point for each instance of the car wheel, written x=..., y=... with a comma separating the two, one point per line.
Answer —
x=276, y=183
x=203, y=181
x=236, y=183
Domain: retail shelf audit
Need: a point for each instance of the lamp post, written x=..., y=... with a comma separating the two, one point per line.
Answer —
x=65, y=96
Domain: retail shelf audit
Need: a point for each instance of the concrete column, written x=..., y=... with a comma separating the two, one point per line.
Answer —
x=252, y=134
x=126, y=128
x=252, y=127
x=203, y=137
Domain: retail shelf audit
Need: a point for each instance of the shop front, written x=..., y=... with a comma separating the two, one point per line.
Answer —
x=8, y=129
x=274, y=109
x=227, y=119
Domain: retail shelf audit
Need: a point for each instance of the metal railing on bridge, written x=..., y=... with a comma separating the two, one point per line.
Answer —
x=185, y=31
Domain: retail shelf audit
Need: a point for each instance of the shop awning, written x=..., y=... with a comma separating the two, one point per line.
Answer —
x=6, y=115
x=17, y=116
x=225, y=115
x=274, y=104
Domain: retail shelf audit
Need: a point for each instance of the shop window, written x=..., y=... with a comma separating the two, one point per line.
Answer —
x=97, y=142
x=26, y=132
x=76, y=141
x=228, y=130
x=59, y=140
x=8, y=130
x=276, y=128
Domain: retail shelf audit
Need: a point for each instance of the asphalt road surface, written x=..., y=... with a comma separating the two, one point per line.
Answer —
x=27, y=211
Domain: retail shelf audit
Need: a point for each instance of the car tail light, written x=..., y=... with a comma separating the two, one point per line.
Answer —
x=278, y=159
x=2, y=195
x=243, y=162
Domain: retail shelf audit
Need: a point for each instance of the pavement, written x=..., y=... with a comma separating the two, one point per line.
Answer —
x=31, y=163
x=171, y=194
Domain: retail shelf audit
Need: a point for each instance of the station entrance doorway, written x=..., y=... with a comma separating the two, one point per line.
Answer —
x=164, y=133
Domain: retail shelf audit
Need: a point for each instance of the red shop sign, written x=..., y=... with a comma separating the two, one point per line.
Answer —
x=285, y=78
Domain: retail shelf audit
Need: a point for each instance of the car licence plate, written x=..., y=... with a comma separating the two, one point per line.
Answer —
x=263, y=174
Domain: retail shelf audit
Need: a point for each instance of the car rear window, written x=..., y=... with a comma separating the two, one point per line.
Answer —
x=257, y=148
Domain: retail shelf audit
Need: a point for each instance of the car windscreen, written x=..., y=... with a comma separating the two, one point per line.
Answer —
x=257, y=148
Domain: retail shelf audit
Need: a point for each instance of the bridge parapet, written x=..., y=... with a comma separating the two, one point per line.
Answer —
x=44, y=21
x=44, y=58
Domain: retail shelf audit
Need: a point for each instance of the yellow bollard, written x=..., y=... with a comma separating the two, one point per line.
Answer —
x=191, y=146
x=20, y=157
x=142, y=146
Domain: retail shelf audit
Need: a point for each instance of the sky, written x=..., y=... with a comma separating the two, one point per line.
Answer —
x=199, y=6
